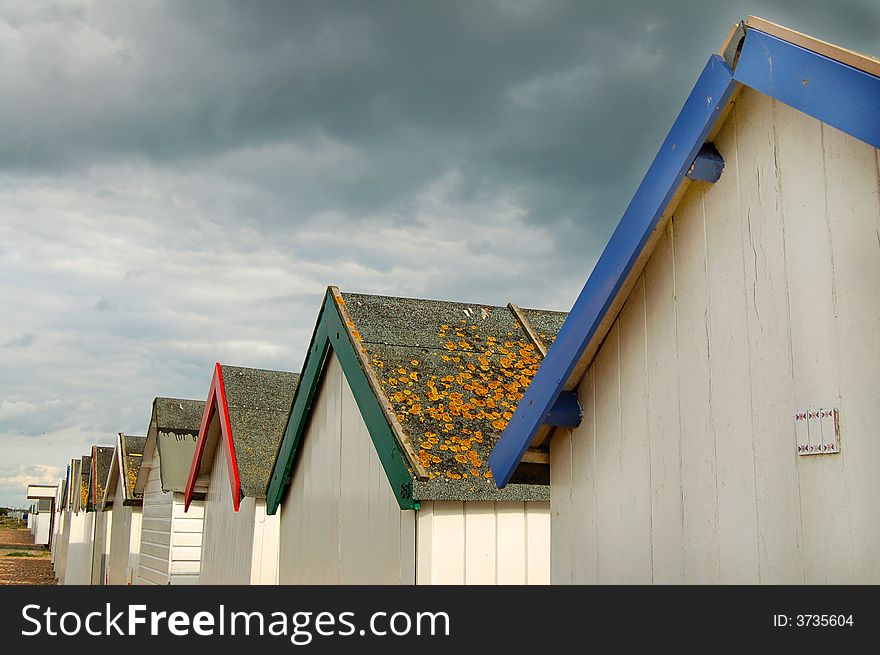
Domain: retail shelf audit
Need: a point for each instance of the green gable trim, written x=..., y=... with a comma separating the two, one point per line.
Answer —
x=331, y=332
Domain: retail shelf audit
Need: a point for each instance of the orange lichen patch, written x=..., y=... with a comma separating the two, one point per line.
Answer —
x=466, y=389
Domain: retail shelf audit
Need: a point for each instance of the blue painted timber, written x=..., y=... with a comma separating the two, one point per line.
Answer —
x=708, y=165
x=566, y=411
x=828, y=90
x=679, y=149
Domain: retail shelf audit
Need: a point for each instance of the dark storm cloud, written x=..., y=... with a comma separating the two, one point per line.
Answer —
x=565, y=101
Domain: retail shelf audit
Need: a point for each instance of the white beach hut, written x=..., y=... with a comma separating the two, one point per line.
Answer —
x=382, y=474
x=102, y=456
x=126, y=506
x=78, y=562
x=241, y=429
x=724, y=350
x=170, y=544
x=44, y=512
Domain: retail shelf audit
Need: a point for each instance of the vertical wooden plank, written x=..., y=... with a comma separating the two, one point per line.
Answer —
x=853, y=195
x=561, y=487
x=635, y=453
x=667, y=522
x=511, y=538
x=448, y=543
x=537, y=543
x=479, y=543
x=827, y=544
x=776, y=489
x=612, y=525
x=407, y=564
x=729, y=371
x=354, y=505
x=583, y=488
x=425, y=543
x=698, y=473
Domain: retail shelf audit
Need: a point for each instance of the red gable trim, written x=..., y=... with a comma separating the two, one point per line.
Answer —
x=216, y=402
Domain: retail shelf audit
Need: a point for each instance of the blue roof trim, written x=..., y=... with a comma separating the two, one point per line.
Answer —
x=837, y=94
x=688, y=133
x=842, y=96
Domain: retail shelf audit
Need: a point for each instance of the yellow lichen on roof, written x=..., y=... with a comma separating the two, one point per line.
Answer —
x=457, y=400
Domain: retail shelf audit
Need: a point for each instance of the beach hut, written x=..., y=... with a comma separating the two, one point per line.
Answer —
x=78, y=565
x=44, y=512
x=724, y=348
x=382, y=474
x=57, y=524
x=59, y=550
x=102, y=456
x=241, y=428
x=171, y=541
x=126, y=506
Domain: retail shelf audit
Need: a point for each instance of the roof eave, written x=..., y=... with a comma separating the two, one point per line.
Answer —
x=332, y=332
x=216, y=402
x=765, y=62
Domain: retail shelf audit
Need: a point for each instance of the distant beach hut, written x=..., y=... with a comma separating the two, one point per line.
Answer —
x=242, y=426
x=126, y=506
x=43, y=512
x=382, y=475
x=171, y=541
x=102, y=456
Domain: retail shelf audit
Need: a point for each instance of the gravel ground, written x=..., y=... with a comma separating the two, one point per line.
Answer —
x=34, y=568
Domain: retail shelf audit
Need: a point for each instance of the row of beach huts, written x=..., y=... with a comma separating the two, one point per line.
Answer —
x=706, y=413
x=378, y=474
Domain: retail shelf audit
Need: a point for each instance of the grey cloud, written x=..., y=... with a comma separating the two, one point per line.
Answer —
x=21, y=341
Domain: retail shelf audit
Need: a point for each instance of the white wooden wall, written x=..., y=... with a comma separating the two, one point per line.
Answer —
x=125, y=537
x=340, y=522
x=100, y=546
x=42, y=523
x=228, y=540
x=760, y=299
x=61, y=545
x=483, y=543
x=78, y=567
x=171, y=540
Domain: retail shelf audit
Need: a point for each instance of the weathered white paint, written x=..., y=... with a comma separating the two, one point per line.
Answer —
x=125, y=539
x=483, y=543
x=759, y=299
x=171, y=540
x=61, y=545
x=239, y=547
x=41, y=525
x=78, y=564
x=101, y=546
x=341, y=523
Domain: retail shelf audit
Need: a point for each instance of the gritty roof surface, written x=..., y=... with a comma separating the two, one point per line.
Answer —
x=178, y=413
x=259, y=403
x=133, y=457
x=85, y=479
x=103, y=459
x=75, y=466
x=452, y=374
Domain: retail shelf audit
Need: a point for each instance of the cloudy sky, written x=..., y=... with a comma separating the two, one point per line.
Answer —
x=179, y=181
